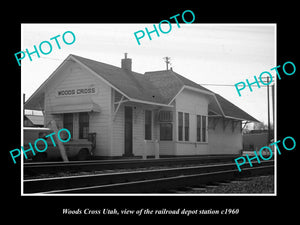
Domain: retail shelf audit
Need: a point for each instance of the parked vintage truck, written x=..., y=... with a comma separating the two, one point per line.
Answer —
x=80, y=149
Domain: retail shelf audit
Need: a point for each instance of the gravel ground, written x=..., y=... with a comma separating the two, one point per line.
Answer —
x=261, y=184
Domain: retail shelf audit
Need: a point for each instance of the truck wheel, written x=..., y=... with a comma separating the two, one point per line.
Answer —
x=83, y=154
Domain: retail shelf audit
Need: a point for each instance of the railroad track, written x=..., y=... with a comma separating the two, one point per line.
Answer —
x=35, y=169
x=146, y=181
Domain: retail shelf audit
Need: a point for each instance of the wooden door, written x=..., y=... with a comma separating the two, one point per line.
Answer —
x=128, y=131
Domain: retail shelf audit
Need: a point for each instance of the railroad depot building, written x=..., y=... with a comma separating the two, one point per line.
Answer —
x=133, y=113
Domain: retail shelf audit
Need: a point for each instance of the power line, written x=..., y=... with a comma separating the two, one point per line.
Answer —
x=232, y=85
x=263, y=81
x=218, y=84
x=168, y=62
x=51, y=58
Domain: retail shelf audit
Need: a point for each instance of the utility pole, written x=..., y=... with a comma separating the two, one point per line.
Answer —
x=167, y=61
x=269, y=130
x=23, y=106
x=273, y=107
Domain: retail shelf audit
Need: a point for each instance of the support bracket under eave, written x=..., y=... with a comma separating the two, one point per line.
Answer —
x=214, y=121
x=235, y=123
x=245, y=125
x=225, y=123
x=117, y=106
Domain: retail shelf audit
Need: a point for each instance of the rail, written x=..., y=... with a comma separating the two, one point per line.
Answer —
x=33, y=169
x=145, y=181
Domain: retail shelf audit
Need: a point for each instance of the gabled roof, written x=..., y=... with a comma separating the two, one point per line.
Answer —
x=169, y=84
x=232, y=111
x=133, y=85
x=156, y=87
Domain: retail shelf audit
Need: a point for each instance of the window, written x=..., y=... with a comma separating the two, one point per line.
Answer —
x=83, y=125
x=198, y=128
x=204, y=128
x=165, y=116
x=68, y=122
x=180, y=126
x=186, y=126
x=148, y=125
x=201, y=128
x=166, y=132
x=183, y=126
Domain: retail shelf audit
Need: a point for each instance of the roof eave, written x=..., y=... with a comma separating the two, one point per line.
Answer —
x=149, y=103
x=242, y=119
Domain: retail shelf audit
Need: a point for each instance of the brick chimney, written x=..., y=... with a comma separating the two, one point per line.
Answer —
x=126, y=63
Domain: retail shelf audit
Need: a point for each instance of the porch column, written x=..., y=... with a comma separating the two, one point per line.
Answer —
x=156, y=149
x=145, y=150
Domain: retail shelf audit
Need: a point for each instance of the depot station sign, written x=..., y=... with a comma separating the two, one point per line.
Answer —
x=76, y=92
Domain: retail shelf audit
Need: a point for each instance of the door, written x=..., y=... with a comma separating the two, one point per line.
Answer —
x=128, y=131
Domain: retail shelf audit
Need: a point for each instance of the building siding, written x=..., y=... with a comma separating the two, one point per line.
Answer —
x=74, y=76
x=194, y=104
x=109, y=128
x=139, y=143
x=225, y=141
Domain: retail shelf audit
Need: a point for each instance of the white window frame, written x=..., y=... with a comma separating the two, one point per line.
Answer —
x=206, y=130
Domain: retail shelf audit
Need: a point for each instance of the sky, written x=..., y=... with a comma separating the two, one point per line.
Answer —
x=204, y=53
